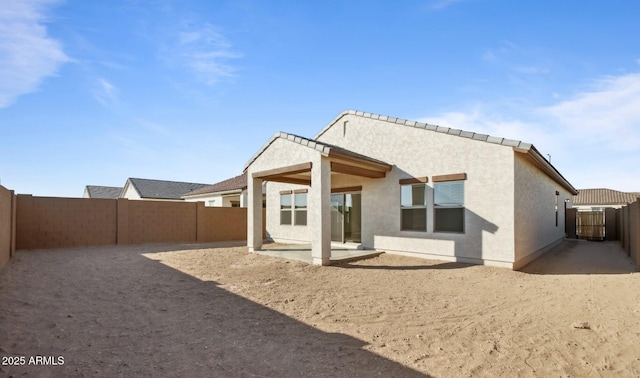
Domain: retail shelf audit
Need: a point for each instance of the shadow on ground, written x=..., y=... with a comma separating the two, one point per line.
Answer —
x=113, y=312
x=583, y=257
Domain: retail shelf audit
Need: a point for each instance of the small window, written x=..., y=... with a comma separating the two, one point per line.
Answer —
x=556, y=207
x=300, y=202
x=413, y=207
x=285, y=209
x=448, y=206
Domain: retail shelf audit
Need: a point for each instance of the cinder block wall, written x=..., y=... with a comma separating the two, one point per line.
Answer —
x=634, y=232
x=7, y=225
x=48, y=222
x=162, y=222
x=222, y=223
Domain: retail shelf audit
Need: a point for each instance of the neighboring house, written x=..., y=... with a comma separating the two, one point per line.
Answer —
x=145, y=189
x=94, y=191
x=228, y=193
x=599, y=199
x=405, y=187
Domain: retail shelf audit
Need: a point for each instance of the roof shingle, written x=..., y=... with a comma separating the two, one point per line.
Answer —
x=96, y=191
x=602, y=196
x=160, y=189
x=234, y=183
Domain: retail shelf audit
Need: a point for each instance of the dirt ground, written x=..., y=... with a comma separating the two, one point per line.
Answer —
x=218, y=311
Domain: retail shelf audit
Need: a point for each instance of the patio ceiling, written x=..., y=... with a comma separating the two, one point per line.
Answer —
x=342, y=162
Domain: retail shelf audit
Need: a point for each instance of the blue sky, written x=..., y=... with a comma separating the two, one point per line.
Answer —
x=94, y=92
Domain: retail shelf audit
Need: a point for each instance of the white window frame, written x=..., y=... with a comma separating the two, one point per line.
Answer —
x=441, y=205
x=283, y=210
x=297, y=219
x=413, y=206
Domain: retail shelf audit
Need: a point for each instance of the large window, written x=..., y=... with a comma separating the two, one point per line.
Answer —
x=413, y=207
x=285, y=208
x=300, y=203
x=293, y=207
x=448, y=204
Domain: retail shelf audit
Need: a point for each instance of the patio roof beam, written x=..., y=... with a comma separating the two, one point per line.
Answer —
x=356, y=171
x=290, y=180
x=283, y=171
x=361, y=161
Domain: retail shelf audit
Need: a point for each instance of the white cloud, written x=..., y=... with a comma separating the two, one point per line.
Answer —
x=489, y=56
x=593, y=138
x=105, y=93
x=204, y=51
x=27, y=54
x=481, y=120
x=441, y=4
x=608, y=114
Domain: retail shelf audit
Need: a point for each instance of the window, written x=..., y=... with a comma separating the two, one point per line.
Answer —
x=285, y=208
x=556, y=207
x=413, y=207
x=448, y=206
x=300, y=201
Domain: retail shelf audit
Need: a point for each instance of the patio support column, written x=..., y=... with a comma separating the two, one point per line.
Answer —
x=320, y=211
x=254, y=214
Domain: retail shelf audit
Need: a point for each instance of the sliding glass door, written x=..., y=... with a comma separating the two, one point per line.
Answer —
x=346, y=221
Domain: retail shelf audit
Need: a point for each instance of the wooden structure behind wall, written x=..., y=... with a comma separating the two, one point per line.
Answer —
x=7, y=225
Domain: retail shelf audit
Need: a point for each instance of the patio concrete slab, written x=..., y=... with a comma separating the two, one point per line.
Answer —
x=302, y=252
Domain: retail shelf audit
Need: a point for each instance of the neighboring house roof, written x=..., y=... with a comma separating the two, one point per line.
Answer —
x=160, y=189
x=95, y=191
x=325, y=148
x=603, y=196
x=234, y=183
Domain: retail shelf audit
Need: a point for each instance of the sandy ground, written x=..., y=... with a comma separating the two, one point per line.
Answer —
x=218, y=311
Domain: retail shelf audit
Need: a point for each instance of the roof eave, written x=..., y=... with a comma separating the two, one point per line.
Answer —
x=547, y=167
x=218, y=193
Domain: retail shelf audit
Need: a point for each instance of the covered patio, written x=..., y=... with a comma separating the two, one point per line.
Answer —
x=291, y=159
x=302, y=252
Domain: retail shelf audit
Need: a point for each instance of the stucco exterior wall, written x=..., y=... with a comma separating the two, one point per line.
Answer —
x=130, y=193
x=220, y=199
x=535, y=218
x=282, y=153
x=489, y=188
x=415, y=152
x=287, y=232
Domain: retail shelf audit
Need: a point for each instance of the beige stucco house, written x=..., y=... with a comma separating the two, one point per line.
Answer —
x=405, y=187
x=228, y=193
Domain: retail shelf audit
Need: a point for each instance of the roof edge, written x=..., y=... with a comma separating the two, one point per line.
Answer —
x=323, y=148
x=261, y=150
x=547, y=168
x=222, y=192
x=426, y=126
x=516, y=145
